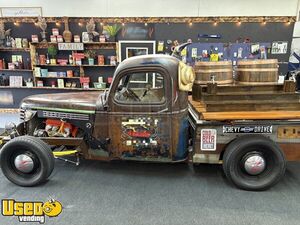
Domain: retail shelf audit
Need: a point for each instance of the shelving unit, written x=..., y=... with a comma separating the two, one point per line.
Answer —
x=14, y=49
x=54, y=88
x=79, y=71
x=84, y=70
x=57, y=77
x=16, y=70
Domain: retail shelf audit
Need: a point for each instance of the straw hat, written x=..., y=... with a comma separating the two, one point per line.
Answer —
x=186, y=77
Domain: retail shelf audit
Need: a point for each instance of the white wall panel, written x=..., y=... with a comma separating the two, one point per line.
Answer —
x=141, y=8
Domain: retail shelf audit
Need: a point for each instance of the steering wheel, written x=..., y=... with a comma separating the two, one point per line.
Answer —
x=148, y=88
x=131, y=94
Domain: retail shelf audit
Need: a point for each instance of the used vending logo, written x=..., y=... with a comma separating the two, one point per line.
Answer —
x=31, y=211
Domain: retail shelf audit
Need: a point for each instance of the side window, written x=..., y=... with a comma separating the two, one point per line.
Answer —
x=142, y=87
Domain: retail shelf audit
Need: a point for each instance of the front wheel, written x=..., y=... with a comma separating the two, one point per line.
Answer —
x=26, y=161
x=253, y=162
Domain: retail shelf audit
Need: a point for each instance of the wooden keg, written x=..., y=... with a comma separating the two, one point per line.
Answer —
x=220, y=72
x=257, y=71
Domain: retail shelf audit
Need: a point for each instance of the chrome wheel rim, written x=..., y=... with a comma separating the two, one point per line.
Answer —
x=24, y=163
x=254, y=164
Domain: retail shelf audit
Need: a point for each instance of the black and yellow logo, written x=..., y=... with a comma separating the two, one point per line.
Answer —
x=31, y=211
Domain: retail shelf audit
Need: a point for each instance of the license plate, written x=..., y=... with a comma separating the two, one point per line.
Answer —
x=208, y=139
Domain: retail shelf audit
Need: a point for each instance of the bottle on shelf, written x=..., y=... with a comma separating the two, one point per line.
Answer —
x=37, y=59
x=27, y=64
x=71, y=59
x=2, y=64
x=47, y=59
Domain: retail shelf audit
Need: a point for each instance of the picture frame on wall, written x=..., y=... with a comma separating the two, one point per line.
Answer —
x=21, y=11
x=129, y=49
x=132, y=48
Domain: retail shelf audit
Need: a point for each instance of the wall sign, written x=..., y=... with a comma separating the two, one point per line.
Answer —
x=279, y=47
x=70, y=46
x=247, y=129
x=21, y=11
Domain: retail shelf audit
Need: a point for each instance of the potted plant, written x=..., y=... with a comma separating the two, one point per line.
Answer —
x=90, y=28
x=90, y=55
x=111, y=31
x=52, y=51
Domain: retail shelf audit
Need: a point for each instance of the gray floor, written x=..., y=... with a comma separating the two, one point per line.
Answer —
x=137, y=193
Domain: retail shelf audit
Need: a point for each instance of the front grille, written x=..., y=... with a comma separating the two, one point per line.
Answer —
x=62, y=115
x=22, y=115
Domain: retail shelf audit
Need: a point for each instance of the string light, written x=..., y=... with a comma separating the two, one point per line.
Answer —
x=146, y=24
x=80, y=24
x=123, y=24
x=190, y=24
x=16, y=23
x=57, y=24
x=101, y=23
x=215, y=23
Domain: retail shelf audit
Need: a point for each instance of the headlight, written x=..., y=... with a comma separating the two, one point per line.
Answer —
x=28, y=115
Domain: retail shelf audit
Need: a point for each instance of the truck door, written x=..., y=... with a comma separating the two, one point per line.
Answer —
x=139, y=120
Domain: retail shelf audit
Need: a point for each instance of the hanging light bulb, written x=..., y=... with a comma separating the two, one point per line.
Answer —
x=190, y=23
x=215, y=23
x=146, y=24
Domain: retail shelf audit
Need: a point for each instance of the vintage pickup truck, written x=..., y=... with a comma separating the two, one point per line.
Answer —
x=144, y=116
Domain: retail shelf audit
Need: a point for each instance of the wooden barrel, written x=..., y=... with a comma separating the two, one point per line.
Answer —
x=220, y=72
x=257, y=71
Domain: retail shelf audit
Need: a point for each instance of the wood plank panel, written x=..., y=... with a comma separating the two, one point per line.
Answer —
x=251, y=115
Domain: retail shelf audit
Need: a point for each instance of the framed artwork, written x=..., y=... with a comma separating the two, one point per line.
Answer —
x=129, y=49
x=21, y=11
x=134, y=48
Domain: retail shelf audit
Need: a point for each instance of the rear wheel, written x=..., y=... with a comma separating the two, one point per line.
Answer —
x=253, y=162
x=26, y=161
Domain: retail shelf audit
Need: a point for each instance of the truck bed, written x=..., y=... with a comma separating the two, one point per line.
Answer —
x=199, y=108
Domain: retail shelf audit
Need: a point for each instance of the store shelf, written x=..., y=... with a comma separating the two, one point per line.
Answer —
x=99, y=43
x=57, y=77
x=54, y=88
x=98, y=65
x=16, y=70
x=57, y=65
x=14, y=49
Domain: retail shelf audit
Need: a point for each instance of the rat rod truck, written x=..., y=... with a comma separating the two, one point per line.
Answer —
x=145, y=116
